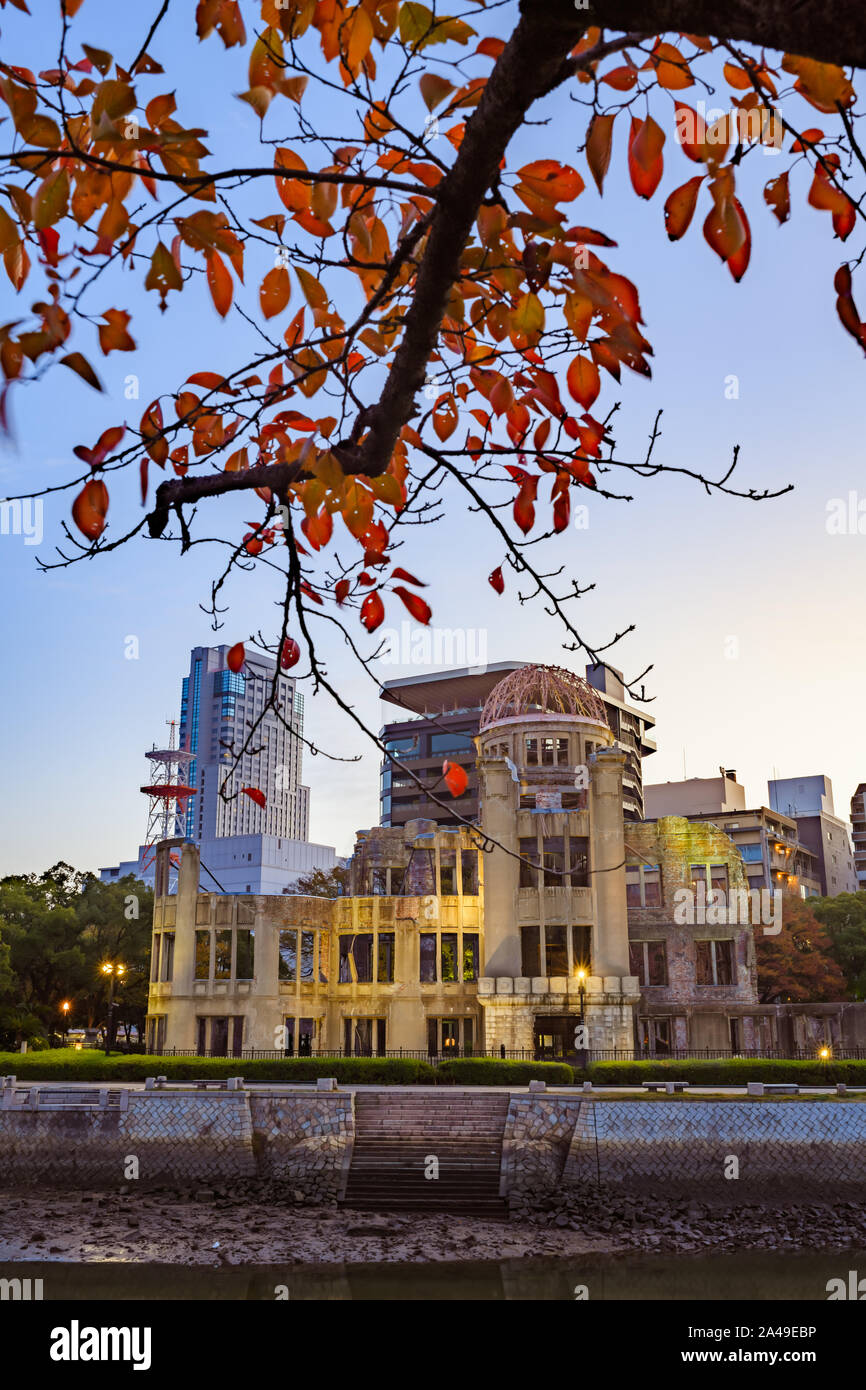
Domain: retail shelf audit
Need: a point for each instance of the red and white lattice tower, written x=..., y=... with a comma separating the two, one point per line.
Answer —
x=167, y=793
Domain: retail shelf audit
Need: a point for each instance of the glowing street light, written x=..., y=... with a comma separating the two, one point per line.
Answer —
x=115, y=971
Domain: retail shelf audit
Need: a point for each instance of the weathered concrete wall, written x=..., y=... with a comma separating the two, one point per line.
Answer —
x=305, y=1139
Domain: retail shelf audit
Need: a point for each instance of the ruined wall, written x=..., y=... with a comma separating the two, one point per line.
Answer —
x=675, y=843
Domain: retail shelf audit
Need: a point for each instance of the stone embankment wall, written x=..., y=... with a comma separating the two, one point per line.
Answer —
x=550, y=1141
x=178, y=1137
x=696, y=1146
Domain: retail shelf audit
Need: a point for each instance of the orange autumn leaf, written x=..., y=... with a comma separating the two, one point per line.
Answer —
x=672, y=70
x=599, y=138
x=235, y=657
x=90, y=508
x=645, y=159
x=777, y=196
x=583, y=381
x=455, y=777
x=823, y=85
x=113, y=336
x=275, y=291
x=219, y=283
x=680, y=207
x=255, y=795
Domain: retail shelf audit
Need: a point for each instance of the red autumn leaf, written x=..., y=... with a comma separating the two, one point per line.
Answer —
x=372, y=612
x=400, y=573
x=252, y=544
x=89, y=509
x=103, y=446
x=524, y=508
x=420, y=610
x=219, y=283
x=680, y=207
x=236, y=657
x=645, y=159
x=738, y=262
x=622, y=79
x=725, y=228
x=290, y=654
x=455, y=777
x=777, y=196
x=318, y=528
x=341, y=590
x=496, y=581
x=583, y=381
x=255, y=795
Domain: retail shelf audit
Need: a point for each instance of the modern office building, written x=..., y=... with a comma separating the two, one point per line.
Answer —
x=220, y=710
x=244, y=847
x=443, y=711
x=858, y=828
x=774, y=854
x=809, y=800
x=237, y=864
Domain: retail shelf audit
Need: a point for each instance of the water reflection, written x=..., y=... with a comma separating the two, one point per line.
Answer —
x=749, y=1275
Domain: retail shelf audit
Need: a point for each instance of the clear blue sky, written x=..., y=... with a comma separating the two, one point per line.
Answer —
x=689, y=571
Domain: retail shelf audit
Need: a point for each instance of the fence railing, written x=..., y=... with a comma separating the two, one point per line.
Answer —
x=610, y=1054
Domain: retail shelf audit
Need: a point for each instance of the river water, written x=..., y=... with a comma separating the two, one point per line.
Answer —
x=745, y=1275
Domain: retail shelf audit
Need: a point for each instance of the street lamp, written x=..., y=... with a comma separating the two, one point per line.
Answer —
x=581, y=985
x=64, y=1009
x=115, y=971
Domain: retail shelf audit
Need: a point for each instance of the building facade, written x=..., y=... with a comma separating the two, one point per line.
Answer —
x=443, y=715
x=219, y=709
x=858, y=828
x=774, y=854
x=809, y=800
x=505, y=938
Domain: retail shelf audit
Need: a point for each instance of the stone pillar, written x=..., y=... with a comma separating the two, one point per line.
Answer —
x=499, y=805
x=610, y=933
x=180, y=1010
x=406, y=1025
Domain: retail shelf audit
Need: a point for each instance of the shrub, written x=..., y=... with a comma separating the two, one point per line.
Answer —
x=728, y=1071
x=90, y=1065
x=491, y=1071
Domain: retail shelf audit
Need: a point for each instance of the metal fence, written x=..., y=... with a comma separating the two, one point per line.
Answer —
x=611, y=1054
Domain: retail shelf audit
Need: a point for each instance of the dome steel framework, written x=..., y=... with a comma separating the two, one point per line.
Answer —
x=542, y=691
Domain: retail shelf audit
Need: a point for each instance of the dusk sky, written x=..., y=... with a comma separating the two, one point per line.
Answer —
x=749, y=613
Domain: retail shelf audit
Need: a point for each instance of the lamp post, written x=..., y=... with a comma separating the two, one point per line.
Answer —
x=582, y=1050
x=115, y=971
x=64, y=1009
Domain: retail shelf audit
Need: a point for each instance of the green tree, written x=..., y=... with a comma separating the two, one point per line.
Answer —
x=845, y=920
x=58, y=928
x=323, y=883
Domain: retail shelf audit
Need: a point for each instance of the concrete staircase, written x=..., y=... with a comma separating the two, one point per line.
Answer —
x=397, y=1132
